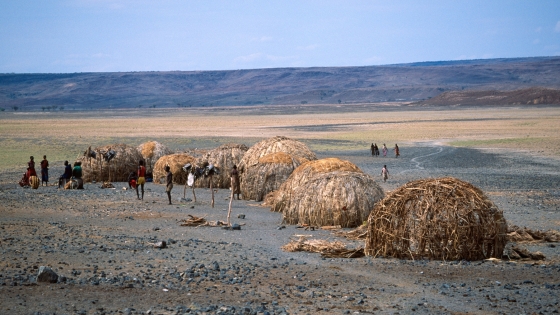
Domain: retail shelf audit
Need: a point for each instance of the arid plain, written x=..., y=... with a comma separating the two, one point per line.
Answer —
x=99, y=238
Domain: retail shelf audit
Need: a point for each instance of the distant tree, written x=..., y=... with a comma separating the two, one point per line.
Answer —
x=2, y=109
x=43, y=108
x=15, y=108
x=139, y=106
x=61, y=108
x=304, y=102
x=339, y=101
x=54, y=107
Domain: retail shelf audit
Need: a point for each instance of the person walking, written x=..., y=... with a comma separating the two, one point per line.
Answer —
x=384, y=173
x=234, y=174
x=141, y=179
x=397, y=152
x=372, y=149
x=376, y=148
x=169, y=182
x=44, y=171
x=385, y=150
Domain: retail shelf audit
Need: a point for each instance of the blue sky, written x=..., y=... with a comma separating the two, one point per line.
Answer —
x=159, y=35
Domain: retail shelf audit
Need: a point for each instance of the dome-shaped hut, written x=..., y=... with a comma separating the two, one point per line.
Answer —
x=296, y=149
x=327, y=192
x=176, y=162
x=224, y=158
x=109, y=163
x=267, y=175
x=151, y=151
x=443, y=218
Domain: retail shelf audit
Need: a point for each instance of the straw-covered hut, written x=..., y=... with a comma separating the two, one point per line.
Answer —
x=327, y=192
x=296, y=149
x=176, y=163
x=267, y=175
x=95, y=166
x=443, y=219
x=224, y=158
x=151, y=151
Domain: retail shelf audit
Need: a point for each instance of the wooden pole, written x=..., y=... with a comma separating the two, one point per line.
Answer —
x=212, y=189
x=230, y=202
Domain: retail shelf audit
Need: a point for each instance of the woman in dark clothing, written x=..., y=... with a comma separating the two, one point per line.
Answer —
x=235, y=182
x=44, y=171
x=169, y=182
x=31, y=167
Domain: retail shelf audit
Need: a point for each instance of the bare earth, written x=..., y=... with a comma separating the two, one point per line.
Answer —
x=99, y=240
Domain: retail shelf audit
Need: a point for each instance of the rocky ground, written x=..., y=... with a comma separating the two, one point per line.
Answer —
x=100, y=243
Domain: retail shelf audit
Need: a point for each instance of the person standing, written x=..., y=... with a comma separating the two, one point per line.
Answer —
x=376, y=149
x=385, y=150
x=372, y=149
x=44, y=171
x=169, y=182
x=235, y=182
x=66, y=176
x=141, y=178
x=397, y=152
x=77, y=174
x=384, y=173
x=31, y=167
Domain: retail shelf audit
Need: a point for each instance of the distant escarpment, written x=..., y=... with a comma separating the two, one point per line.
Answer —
x=530, y=96
x=326, y=85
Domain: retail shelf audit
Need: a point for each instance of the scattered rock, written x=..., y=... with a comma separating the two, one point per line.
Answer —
x=46, y=274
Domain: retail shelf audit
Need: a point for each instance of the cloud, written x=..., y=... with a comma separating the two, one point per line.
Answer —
x=373, y=60
x=308, y=47
x=557, y=28
x=249, y=58
x=262, y=39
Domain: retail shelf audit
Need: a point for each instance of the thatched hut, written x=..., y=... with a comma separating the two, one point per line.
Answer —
x=267, y=175
x=443, y=218
x=151, y=151
x=327, y=192
x=176, y=163
x=96, y=168
x=296, y=149
x=224, y=158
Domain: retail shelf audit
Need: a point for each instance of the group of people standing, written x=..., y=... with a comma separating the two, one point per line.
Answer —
x=30, y=179
x=375, y=150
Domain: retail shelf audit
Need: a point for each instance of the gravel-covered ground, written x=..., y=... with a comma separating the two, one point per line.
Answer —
x=99, y=243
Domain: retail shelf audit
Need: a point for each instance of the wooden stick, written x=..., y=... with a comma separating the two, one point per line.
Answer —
x=230, y=202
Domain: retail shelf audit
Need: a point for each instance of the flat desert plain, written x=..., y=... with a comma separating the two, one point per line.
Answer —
x=99, y=241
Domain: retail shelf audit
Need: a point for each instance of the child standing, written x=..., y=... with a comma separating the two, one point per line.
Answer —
x=384, y=173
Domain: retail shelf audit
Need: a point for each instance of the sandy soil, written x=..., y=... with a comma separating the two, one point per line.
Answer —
x=98, y=241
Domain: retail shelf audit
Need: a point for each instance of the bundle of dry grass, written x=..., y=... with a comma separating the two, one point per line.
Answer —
x=267, y=175
x=327, y=249
x=359, y=233
x=335, y=197
x=224, y=158
x=193, y=221
x=525, y=235
x=151, y=151
x=117, y=169
x=443, y=218
x=176, y=163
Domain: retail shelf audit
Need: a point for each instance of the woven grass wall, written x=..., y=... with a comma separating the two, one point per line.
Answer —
x=97, y=169
x=224, y=157
x=267, y=175
x=268, y=146
x=442, y=219
x=151, y=151
x=176, y=163
x=329, y=191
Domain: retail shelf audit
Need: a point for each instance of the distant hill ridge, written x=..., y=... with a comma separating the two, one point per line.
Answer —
x=530, y=96
x=318, y=85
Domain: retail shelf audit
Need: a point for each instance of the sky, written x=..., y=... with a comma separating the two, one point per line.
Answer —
x=67, y=36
